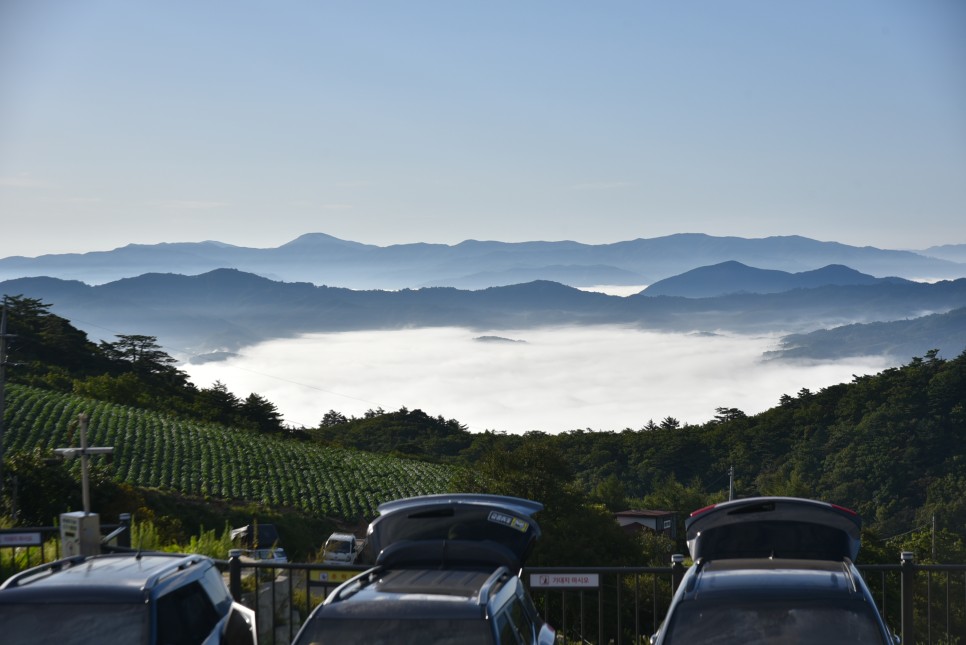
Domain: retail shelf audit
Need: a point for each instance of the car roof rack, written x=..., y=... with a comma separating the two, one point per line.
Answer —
x=179, y=565
x=353, y=585
x=444, y=554
x=48, y=568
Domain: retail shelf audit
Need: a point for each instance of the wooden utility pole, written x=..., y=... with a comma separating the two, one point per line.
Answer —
x=3, y=377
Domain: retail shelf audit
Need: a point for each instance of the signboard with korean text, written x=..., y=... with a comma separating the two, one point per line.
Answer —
x=20, y=539
x=564, y=580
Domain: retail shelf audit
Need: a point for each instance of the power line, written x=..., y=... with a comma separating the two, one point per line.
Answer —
x=915, y=530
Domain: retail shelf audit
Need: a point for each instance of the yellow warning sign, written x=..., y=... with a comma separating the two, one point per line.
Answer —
x=331, y=575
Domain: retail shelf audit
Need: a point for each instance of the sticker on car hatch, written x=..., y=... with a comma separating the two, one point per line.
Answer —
x=508, y=521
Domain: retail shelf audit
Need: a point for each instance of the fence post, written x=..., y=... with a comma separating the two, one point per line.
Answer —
x=908, y=559
x=677, y=571
x=234, y=574
x=124, y=538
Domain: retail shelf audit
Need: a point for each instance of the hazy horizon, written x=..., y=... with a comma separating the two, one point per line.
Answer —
x=439, y=122
x=558, y=379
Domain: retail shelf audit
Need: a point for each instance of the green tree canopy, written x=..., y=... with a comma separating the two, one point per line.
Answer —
x=261, y=414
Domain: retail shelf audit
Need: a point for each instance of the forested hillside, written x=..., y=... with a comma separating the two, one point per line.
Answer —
x=183, y=456
x=890, y=445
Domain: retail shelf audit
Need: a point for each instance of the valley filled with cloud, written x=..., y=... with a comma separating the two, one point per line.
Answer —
x=551, y=379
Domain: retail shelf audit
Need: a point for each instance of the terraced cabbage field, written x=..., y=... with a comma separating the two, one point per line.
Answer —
x=153, y=450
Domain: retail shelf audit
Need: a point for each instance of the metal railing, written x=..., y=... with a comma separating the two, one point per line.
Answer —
x=604, y=604
x=282, y=594
x=22, y=548
x=925, y=603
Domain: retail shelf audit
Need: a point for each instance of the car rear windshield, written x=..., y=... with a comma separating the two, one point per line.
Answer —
x=74, y=624
x=767, y=622
x=374, y=631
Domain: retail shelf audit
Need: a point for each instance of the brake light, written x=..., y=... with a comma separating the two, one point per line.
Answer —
x=842, y=508
x=703, y=510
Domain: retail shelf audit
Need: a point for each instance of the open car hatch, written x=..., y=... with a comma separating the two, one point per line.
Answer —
x=442, y=530
x=774, y=527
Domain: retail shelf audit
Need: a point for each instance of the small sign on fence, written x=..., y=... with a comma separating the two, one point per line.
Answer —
x=564, y=580
x=331, y=575
x=20, y=539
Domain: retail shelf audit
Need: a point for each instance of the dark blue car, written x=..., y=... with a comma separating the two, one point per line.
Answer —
x=446, y=571
x=136, y=599
x=773, y=570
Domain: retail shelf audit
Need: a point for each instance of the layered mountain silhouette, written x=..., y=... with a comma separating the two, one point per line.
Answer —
x=321, y=259
x=734, y=277
x=898, y=339
x=951, y=252
x=205, y=297
x=226, y=309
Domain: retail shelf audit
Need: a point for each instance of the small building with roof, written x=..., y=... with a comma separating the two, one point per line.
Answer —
x=660, y=522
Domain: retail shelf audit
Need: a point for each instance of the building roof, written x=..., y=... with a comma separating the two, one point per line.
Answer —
x=644, y=513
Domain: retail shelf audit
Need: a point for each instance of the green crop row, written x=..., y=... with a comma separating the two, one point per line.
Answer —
x=153, y=450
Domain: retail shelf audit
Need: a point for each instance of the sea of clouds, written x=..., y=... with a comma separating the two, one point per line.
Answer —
x=558, y=379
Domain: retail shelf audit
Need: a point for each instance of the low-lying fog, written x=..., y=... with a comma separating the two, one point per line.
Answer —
x=602, y=378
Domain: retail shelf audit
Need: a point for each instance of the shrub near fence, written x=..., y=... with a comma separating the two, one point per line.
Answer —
x=23, y=548
x=939, y=610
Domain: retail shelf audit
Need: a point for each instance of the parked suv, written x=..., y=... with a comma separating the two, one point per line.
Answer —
x=447, y=571
x=143, y=598
x=773, y=570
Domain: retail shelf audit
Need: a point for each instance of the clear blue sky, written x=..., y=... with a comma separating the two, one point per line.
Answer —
x=389, y=122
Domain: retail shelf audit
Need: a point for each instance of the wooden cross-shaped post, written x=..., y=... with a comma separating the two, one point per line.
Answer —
x=84, y=451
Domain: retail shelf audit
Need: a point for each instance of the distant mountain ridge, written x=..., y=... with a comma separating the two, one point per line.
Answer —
x=951, y=252
x=898, y=339
x=322, y=259
x=226, y=309
x=734, y=277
